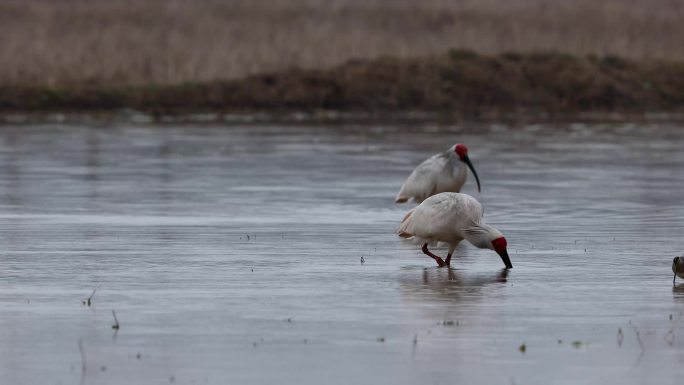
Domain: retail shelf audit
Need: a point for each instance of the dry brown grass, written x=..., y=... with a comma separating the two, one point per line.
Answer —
x=460, y=82
x=119, y=42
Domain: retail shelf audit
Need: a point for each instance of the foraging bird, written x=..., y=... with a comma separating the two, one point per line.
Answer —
x=439, y=173
x=450, y=218
x=678, y=268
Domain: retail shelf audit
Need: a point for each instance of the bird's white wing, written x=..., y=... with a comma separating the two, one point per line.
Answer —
x=442, y=216
x=423, y=180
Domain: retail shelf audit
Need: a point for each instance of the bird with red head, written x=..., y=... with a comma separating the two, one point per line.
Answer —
x=443, y=172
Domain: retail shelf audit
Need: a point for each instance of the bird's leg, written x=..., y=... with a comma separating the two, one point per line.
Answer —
x=437, y=259
x=448, y=260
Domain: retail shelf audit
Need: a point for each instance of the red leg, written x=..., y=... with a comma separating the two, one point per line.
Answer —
x=437, y=259
x=448, y=260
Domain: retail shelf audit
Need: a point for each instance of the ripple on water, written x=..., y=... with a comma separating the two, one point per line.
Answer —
x=234, y=253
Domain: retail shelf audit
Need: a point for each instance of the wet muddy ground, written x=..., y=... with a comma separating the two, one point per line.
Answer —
x=232, y=255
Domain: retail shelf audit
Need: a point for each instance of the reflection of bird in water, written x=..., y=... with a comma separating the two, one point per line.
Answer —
x=449, y=284
x=449, y=297
x=677, y=268
x=439, y=173
x=450, y=218
x=678, y=291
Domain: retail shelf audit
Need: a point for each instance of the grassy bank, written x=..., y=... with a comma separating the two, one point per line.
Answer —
x=68, y=43
x=459, y=81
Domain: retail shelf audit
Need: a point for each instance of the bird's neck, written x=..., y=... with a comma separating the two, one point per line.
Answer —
x=480, y=235
x=454, y=166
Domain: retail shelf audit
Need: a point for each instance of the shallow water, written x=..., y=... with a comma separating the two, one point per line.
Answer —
x=232, y=255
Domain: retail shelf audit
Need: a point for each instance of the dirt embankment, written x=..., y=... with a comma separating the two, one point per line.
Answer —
x=459, y=81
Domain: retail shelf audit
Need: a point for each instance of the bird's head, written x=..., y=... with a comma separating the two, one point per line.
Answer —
x=462, y=152
x=499, y=245
x=485, y=236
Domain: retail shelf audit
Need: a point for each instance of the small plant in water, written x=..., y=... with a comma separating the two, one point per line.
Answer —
x=522, y=348
x=88, y=300
x=116, y=321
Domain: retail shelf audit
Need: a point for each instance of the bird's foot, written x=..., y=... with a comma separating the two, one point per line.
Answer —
x=440, y=261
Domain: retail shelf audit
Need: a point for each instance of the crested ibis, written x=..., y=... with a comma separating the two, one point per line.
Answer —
x=441, y=172
x=450, y=218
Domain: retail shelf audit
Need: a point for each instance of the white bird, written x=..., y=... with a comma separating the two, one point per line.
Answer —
x=441, y=172
x=450, y=218
x=678, y=268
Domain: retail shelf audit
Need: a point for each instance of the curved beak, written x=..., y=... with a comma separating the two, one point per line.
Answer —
x=505, y=259
x=466, y=160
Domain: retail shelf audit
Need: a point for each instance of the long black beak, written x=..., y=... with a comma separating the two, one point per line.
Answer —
x=505, y=259
x=466, y=160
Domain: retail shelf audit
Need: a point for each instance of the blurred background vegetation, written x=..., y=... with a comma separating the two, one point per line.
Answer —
x=132, y=42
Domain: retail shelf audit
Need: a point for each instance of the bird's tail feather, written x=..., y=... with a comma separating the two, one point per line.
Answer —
x=401, y=199
x=402, y=230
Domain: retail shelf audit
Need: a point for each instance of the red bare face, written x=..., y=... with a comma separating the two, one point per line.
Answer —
x=461, y=150
x=499, y=245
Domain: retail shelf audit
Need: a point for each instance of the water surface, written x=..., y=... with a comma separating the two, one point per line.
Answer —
x=231, y=254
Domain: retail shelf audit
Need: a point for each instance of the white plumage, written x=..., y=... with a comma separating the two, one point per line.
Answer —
x=450, y=218
x=439, y=173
